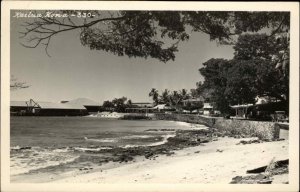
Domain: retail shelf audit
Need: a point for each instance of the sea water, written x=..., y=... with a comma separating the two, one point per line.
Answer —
x=38, y=143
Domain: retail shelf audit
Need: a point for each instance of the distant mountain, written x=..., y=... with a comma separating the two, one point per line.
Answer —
x=84, y=102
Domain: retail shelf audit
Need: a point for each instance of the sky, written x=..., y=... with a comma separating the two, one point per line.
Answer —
x=74, y=71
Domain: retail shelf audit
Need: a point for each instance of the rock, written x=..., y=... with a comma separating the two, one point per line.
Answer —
x=219, y=150
x=257, y=170
x=237, y=136
x=236, y=180
x=148, y=155
x=24, y=148
x=265, y=181
x=252, y=179
x=205, y=141
x=83, y=168
x=259, y=176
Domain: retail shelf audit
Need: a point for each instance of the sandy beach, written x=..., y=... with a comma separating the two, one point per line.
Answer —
x=214, y=162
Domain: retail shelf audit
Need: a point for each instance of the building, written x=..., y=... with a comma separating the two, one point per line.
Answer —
x=59, y=109
x=140, y=107
x=263, y=109
x=163, y=108
x=33, y=108
x=193, y=102
x=142, y=104
x=18, y=107
x=241, y=111
x=90, y=105
x=208, y=109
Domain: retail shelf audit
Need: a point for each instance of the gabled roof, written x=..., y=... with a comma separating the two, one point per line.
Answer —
x=84, y=102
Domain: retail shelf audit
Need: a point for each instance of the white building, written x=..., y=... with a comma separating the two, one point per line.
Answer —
x=207, y=109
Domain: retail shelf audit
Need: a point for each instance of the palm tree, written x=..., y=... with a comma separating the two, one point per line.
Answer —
x=154, y=94
x=184, y=94
x=129, y=102
x=165, y=97
x=175, y=98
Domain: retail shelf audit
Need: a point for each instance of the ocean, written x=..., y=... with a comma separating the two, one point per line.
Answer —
x=65, y=143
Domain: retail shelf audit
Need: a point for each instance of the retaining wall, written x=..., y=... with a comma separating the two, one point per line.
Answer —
x=260, y=129
x=208, y=121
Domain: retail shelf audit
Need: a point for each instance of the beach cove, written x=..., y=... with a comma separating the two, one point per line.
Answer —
x=215, y=162
x=187, y=154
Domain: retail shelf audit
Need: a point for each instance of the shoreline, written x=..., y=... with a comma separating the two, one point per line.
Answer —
x=209, y=162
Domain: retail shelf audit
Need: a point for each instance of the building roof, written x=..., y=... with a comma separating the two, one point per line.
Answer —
x=241, y=106
x=48, y=105
x=161, y=106
x=18, y=104
x=51, y=105
x=207, y=106
x=141, y=104
x=193, y=100
x=83, y=102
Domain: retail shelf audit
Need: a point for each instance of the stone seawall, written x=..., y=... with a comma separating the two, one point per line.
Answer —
x=262, y=130
x=246, y=128
x=208, y=121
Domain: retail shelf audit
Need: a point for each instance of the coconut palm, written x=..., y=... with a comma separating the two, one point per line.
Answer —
x=184, y=94
x=154, y=94
x=165, y=97
x=175, y=99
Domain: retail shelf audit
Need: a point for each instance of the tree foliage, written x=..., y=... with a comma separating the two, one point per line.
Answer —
x=146, y=34
x=165, y=97
x=170, y=98
x=215, y=73
x=250, y=74
x=117, y=105
x=155, y=96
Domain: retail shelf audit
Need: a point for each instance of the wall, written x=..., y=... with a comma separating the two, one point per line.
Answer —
x=260, y=129
x=208, y=121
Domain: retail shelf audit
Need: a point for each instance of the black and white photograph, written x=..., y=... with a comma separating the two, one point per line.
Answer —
x=116, y=94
